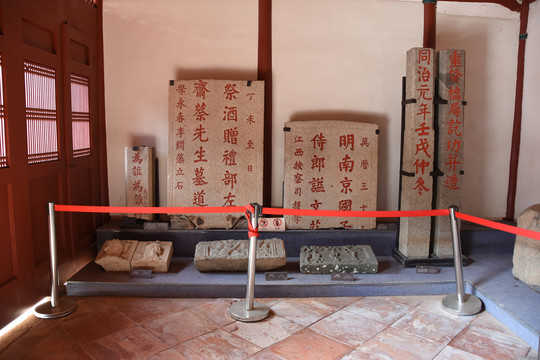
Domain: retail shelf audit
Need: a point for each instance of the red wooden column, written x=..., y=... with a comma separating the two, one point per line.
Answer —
x=430, y=23
x=264, y=72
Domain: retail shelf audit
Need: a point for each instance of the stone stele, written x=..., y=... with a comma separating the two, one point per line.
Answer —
x=153, y=255
x=116, y=255
x=526, y=250
x=140, y=178
x=356, y=259
x=232, y=255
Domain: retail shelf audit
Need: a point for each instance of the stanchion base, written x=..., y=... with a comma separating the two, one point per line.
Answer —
x=46, y=311
x=259, y=312
x=472, y=304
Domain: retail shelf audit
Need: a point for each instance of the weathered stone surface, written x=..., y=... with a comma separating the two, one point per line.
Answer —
x=152, y=255
x=330, y=165
x=232, y=255
x=526, y=250
x=116, y=255
x=356, y=259
x=140, y=178
x=417, y=156
x=215, y=153
x=450, y=122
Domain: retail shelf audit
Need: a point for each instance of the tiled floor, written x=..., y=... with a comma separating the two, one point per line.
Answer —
x=400, y=327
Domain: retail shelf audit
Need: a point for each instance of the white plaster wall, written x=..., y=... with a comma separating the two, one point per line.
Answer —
x=332, y=59
x=343, y=60
x=528, y=185
x=489, y=34
x=148, y=43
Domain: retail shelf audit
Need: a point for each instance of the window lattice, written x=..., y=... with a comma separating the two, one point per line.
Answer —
x=3, y=153
x=80, y=115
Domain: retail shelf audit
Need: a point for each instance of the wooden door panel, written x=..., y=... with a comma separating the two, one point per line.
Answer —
x=7, y=251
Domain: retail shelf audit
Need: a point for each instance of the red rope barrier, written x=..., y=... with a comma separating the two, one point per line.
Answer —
x=498, y=226
x=275, y=211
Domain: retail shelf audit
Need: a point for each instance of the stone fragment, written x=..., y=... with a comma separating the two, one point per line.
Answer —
x=116, y=255
x=330, y=165
x=526, y=250
x=450, y=123
x=140, y=178
x=215, y=155
x=232, y=255
x=416, y=185
x=152, y=255
x=356, y=259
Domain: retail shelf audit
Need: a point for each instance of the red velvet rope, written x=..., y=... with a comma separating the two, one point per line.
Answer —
x=275, y=211
x=250, y=210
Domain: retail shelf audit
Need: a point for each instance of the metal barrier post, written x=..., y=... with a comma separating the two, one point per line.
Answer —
x=54, y=309
x=249, y=310
x=459, y=303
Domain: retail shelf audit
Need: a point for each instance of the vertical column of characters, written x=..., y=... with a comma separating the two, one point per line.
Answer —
x=250, y=118
x=316, y=183
x=179, y=141
x=423, y=122
x=199, y=139
x=346, y=167
x=454, y=124
x=229, y=178
x=139, y=193
x=298, y=172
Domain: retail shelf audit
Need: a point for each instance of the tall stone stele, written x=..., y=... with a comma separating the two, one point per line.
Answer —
x=417, y=156
x=450, y=123
x=526, y=250
x=215, y=156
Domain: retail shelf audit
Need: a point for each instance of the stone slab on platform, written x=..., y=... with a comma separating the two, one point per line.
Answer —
x=330, y=165
x=215, y=155
x=356, y=259
x=232, y=255
x=152, y=255
x=116, y=255
x=140, y=179
x=526, y=257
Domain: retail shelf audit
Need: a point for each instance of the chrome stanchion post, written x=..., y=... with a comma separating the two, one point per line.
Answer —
x=459, y=303
x=249, y=310
x=54, y=309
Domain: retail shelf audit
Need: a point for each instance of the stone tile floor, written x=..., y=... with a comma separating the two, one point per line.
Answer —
x=388, y=327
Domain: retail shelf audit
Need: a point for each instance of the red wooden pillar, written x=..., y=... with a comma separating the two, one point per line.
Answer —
x=430, y=23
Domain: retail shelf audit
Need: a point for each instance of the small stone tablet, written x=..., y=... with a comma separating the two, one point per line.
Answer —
x=232, y=255
x=356, y=259
x=115, y=255
x=153, y=255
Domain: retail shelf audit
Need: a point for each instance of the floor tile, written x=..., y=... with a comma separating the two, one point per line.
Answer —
x=308, y=344
x=303, y=311
x=411, y=300
x=490, y=344
x=144, y=309
x=451, y=353
x=394, y=344
x=88, y=326
x=179, y=327
x=127, y=344
x=264, y=333
x=337, y=303
x=487, y=321
x=38, y=341
x=73, y=352
x=348, y=328
x=218, y=344
x=430, y=326
x=265, y=355
x=169, y=354
x=216, y=311
x=378, y=309
x=434, y=305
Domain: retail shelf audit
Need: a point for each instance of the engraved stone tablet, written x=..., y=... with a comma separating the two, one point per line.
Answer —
x=232, y=255
x=115, y=255
x=416, y=190
x=140, y=180
x=526, y=250
x=330, y=165
x=153, y=255
x=451, y=86
x=356, y=259
x=215, y=147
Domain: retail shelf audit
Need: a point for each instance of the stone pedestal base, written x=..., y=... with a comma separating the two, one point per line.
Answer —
x=356, y=259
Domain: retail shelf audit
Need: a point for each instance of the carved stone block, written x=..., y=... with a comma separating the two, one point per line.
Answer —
x=232, y=255
x=116, y=255
x=526, y=250
x=153, y=255
x=356, y=259
x=140, y=178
